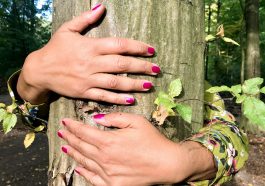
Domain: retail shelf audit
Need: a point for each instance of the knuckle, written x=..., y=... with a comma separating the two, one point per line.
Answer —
x=146, y=67
x=113, y=82
x=85, y=162
x=141, y=49
x=101, y=97
x=121, y=63
x=120, y=43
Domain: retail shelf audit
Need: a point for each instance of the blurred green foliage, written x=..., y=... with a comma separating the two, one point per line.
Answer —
x=23, y=29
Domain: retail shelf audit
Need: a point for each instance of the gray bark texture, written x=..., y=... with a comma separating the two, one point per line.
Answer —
x=175, y=28
x=252, y=63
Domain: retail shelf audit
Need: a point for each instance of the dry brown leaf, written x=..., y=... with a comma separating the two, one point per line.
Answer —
x=160, y=115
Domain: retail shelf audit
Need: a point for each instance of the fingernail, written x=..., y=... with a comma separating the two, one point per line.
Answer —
x=60, y=134
x=151, y=50
x=77, y=171
x=64, y=149
x=156, y=69
x=63, y=122
x=99, y=116
x=130, y=100
x=96, y=7
x=147, y=85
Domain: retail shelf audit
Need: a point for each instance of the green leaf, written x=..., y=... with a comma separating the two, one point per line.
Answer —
x=240, y=99
x=210, y=38
x=184, y=111
x=11, y=108
x=251, y=86
x=254, y=110
x=175, y=88
x=9, y=122
x=2, y=105
x=39, y=128
x=29, y=139
x=262, y=90
x=229, y=40
x=2, y=114
x=216, y=89
x=165, y=100
x=237, y=89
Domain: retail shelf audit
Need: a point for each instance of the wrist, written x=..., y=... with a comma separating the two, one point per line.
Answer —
x=30, y=85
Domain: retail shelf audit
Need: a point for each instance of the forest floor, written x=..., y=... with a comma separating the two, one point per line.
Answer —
x=28, y=167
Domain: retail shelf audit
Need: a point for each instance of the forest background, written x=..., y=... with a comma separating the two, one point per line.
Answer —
x=25, y=26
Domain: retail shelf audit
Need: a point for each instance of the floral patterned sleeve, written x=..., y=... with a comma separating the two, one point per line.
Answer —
x=32, y=115
x=224, y=139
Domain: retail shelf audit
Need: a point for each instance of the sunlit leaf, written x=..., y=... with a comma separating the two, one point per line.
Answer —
x=254, y=110
x=251, y=86
x=184, y=111
x=29, y=139
x=11, y=108
x=218, y=89
x=240, y=99
x=229, y=40
x=262, y=90
x=210, y=38
x=9, y=121
x=175, y=88
x=237, y=89
x=2, y=105
x=165, y=100
x=2, y=114
x=39, y=128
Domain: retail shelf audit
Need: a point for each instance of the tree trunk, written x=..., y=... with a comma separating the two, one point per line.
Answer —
x=252, y=65
x=175, y=28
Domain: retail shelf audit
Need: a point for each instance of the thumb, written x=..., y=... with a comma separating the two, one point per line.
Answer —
x=80, y=23
x=119, y=120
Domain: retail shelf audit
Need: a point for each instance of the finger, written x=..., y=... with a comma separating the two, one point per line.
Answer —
x=79, y=23
x=81, y=159
x=107, y=96
x=90, y=135
x=120, y=120
x=84, y=148
x=108, y=81
x=123, y=46
x=121, y=64
x=90, y=176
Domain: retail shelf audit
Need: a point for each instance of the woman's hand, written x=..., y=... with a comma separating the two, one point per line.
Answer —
x=134, y=154
x=77, y=66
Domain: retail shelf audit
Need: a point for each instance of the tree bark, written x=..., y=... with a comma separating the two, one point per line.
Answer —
x=252, y=65
x=175, y=28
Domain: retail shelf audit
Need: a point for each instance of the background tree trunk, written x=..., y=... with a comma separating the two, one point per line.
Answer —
x=175, y=28
x=252, y=64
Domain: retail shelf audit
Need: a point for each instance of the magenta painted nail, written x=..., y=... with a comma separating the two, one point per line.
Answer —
x=99, y=116
x=147, y=85
x=156, y=69
x=151, y=50
x=60, y=134
x=130, y=100
x=96, y=7
x=64, y=149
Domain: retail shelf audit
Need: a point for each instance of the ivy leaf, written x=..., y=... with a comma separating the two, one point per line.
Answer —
x=241, y=99
x=2, y=105
x=262, y=90
x=39, y=128
x=237, y=89
x=175, y=88
x=9, y=122
x=216, y=89
x=251, y=86
x=2, y=114
x=229, y=40
x=165, y=100
x=184, y=111
x=210, y=38
x=29, y=139
x=254, y=110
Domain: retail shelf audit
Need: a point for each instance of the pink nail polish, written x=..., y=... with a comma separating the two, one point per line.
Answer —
x=99, y=116
x=60, y=134
x=77, y=171
x=151, y=50
x=156, y=69
x=130, y=100
x=96, y=7
x=63, y=122
x=64, y=149
x=147, y=85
